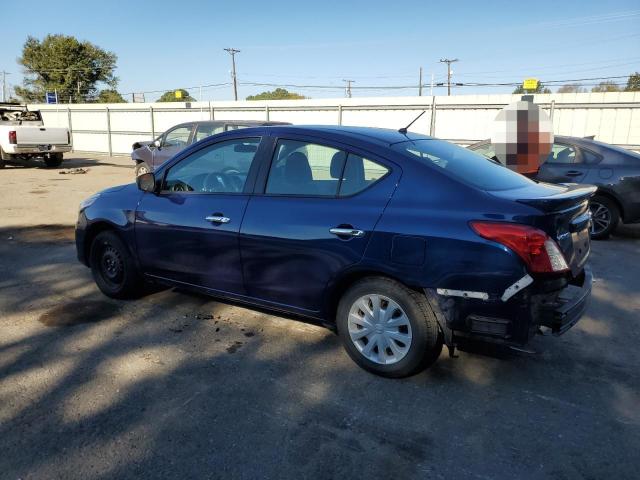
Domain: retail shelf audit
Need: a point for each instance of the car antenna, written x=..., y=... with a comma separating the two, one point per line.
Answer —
x=403, y=130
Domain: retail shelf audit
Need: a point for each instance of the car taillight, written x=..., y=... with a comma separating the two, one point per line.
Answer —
x=13, y=139
x=540, y=253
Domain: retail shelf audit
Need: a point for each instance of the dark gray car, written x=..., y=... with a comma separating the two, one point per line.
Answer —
x=149, y=154
x=614, y=170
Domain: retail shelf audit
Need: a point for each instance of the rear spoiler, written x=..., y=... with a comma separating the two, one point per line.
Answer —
x=574, y=194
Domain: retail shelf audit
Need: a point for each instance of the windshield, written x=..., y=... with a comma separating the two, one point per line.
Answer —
x=464, y=164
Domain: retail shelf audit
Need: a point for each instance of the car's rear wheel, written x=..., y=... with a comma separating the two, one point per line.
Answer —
x=604, y=217
x=113, y=267
x=387, y=328
x=53, y=160
x=142, y=168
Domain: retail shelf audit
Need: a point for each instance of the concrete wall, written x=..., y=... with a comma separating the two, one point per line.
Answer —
x=613, y=117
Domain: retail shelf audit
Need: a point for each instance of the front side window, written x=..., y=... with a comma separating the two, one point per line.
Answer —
x=178, y=137
x=219, y=168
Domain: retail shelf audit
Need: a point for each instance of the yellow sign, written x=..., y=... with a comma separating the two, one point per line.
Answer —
x=178, y=93
x=530, y=83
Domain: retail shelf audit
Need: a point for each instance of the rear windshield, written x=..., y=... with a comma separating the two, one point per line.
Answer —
x=464, y=164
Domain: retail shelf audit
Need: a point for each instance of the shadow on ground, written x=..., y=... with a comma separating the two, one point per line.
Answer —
x=179, y=385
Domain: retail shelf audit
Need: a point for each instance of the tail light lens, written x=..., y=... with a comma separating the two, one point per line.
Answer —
x=13, y=139
x=539, y=252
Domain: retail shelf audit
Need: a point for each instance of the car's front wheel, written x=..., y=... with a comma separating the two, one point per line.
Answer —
x=387, y=328
x=142, y=168
x=113, y=267
x=604, y=217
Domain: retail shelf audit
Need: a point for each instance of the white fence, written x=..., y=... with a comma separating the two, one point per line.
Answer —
x=613, y=117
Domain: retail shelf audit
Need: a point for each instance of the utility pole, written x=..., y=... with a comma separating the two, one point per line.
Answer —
x=4, y=85
x=232, y=52
x=420, y=83
x=448, y=61
x=349, y=82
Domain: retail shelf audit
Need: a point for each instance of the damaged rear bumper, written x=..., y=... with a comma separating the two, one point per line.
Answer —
x=513, y=319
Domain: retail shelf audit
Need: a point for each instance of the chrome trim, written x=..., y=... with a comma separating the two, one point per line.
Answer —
x=217, y=219
x=352, y=232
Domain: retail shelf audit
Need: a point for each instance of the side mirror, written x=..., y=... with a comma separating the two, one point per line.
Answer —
x=156, y=143
x=146, y=182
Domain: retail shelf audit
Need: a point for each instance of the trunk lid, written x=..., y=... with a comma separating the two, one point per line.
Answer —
x=41, y=136
x=565, y=216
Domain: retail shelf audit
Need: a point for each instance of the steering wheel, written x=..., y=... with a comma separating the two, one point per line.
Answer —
x=180, y=186
x=230, y=171
x=214, y=182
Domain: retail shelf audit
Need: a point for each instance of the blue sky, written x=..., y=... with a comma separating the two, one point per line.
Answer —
x=164, y=45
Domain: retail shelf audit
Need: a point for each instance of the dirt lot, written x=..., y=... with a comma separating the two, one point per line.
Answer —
x=178, y=385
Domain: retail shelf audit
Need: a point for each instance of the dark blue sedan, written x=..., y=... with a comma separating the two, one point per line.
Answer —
x=400, y=241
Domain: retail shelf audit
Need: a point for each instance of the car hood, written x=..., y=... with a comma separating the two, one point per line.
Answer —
x=118, y=188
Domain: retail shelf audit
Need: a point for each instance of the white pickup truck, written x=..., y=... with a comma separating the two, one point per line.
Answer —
x=24, y=136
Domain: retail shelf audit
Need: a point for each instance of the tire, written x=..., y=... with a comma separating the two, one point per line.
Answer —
x=141, y=168
x=53, y=160
x=418, y=328
x=113, y=267
x=605, y=217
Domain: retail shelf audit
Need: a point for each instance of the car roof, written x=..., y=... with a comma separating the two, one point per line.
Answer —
x=235, y=122
x=378, y=136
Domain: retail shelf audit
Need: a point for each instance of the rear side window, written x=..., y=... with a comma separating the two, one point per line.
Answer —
x=205, y=130
x=463, y=164
x=301, y=168
x=309, y=169
x=561, y=153
x=359, y=173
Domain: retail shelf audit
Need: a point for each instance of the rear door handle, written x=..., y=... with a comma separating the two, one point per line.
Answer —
x=573, y=173
x=347, y=232
x=217, y=219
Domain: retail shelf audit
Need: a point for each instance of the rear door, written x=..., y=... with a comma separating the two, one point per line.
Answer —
x=188, y=232
x=312, y=217
x=172, y=142
x=565, y=164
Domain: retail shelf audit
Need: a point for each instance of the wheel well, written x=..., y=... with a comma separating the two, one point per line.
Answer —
x=91, y=234
x=338, y=289
x=604, y=193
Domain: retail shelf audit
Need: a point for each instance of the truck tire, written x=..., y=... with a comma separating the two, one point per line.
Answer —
x=53, y=160
x=387, y=328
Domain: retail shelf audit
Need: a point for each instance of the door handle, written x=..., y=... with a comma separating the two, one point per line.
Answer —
x=217, y=219
x=347, y=232
x=573, y=173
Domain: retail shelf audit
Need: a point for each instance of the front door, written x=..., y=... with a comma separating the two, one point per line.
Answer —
x=189, y=231
x=171, y=143
x=316, y=215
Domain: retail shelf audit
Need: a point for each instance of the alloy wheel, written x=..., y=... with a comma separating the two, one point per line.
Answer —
x=380, y=329
x=600, y=218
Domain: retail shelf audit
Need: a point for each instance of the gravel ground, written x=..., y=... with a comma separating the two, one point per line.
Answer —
x=179, y=385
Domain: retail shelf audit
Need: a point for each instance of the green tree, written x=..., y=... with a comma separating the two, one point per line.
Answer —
x=66, y=65
x=633, y=84
x=540, y=89
x=572, y=88
x=170, y=96
x=606, y=86
x=110, y=96
x=277, y=94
